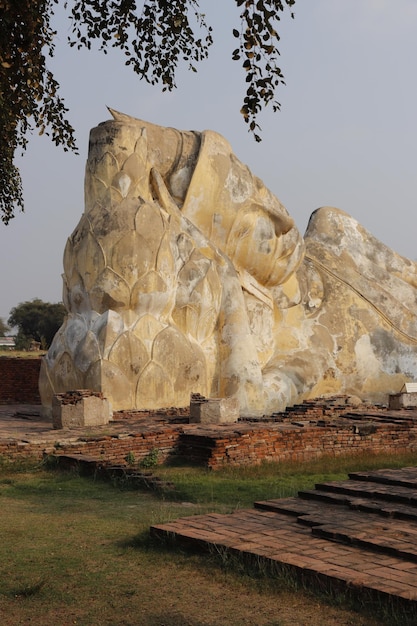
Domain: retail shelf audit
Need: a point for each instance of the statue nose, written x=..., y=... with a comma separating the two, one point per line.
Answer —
x=282, y=223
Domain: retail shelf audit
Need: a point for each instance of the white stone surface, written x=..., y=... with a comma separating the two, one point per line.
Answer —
x=214, y=411
x=86, y=410
x=185, y=274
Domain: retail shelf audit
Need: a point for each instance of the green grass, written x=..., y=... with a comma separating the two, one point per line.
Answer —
x=77, y=551
x=240, y=487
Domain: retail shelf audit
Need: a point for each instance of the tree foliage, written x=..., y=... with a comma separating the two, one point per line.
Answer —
x=4, y=329
x=154, y=35
x=36, y=321
x=28, y=91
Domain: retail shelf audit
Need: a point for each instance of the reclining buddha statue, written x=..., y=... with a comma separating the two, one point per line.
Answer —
x=187, y=275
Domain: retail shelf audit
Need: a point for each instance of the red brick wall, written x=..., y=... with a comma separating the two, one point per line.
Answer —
x=281, y=443
x=110, y=449
x=19, y=381
x=246, y=446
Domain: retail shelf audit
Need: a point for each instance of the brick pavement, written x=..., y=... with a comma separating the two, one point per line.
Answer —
x=362, y=543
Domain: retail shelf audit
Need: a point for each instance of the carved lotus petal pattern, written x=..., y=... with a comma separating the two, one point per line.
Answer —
x=65, y=293
x=210, y=297
x=74, y=294
x=182, y=359
x=107, y=328
x=185, y=247
x=57, y=347
x=186, y=319
x=154, y=388
x=151, y=294
x=106, y=168
x=149, y=221
x=122, y=183
x=84, y=227
x=165, y=262
x=66, y=376
x=106, y=223
x=132, y=257
x=141, y=145
x=137, y=170
x=69, y=257
x=130, y=355
x=75, y=332
x=87, y=352
x=46, y=382
x=95, y=190
x=147, y=328
x=151, y=282
x=120, y=158
x=112, y=378
x=78, y=298
x=198, y=298
x=110, y=291
x=90, y=260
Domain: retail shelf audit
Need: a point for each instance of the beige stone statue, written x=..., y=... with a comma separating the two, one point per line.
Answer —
x=186, y=275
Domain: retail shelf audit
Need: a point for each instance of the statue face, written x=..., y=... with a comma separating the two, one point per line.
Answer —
x=268, y=248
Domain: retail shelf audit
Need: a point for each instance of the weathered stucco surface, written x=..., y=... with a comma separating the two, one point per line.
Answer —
x=186, y=275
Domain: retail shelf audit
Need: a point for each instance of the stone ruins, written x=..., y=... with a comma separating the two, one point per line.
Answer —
x=185, y=275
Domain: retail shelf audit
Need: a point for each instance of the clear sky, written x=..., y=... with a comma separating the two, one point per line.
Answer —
x=346, y=135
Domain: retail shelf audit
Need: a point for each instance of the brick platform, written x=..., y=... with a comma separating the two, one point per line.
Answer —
x=360, y=534
x=304, y=432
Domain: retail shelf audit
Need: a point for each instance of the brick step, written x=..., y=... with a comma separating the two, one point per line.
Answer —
x=384, y=418
x=405, y=477
x=370, y=490
x=135, y=477
x=389, y=536
x=286, y=506
x=368, y=504
x=84, y=464
x=316, y=500
x=331, y=497
x=280, y=540
x=87, y=465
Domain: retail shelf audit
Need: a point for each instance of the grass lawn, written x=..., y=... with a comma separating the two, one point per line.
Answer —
x=21, y=354
x=77, y=551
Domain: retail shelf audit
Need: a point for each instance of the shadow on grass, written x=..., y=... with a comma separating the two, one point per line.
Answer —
x=272, y=577
x=172, y=619
x=27, y=590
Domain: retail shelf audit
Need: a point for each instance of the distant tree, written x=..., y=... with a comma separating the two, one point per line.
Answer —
x=4, y=329
x=36, y=321
x=154, y=35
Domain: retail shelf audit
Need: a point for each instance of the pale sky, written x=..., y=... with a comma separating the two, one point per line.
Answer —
x=346, y=135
